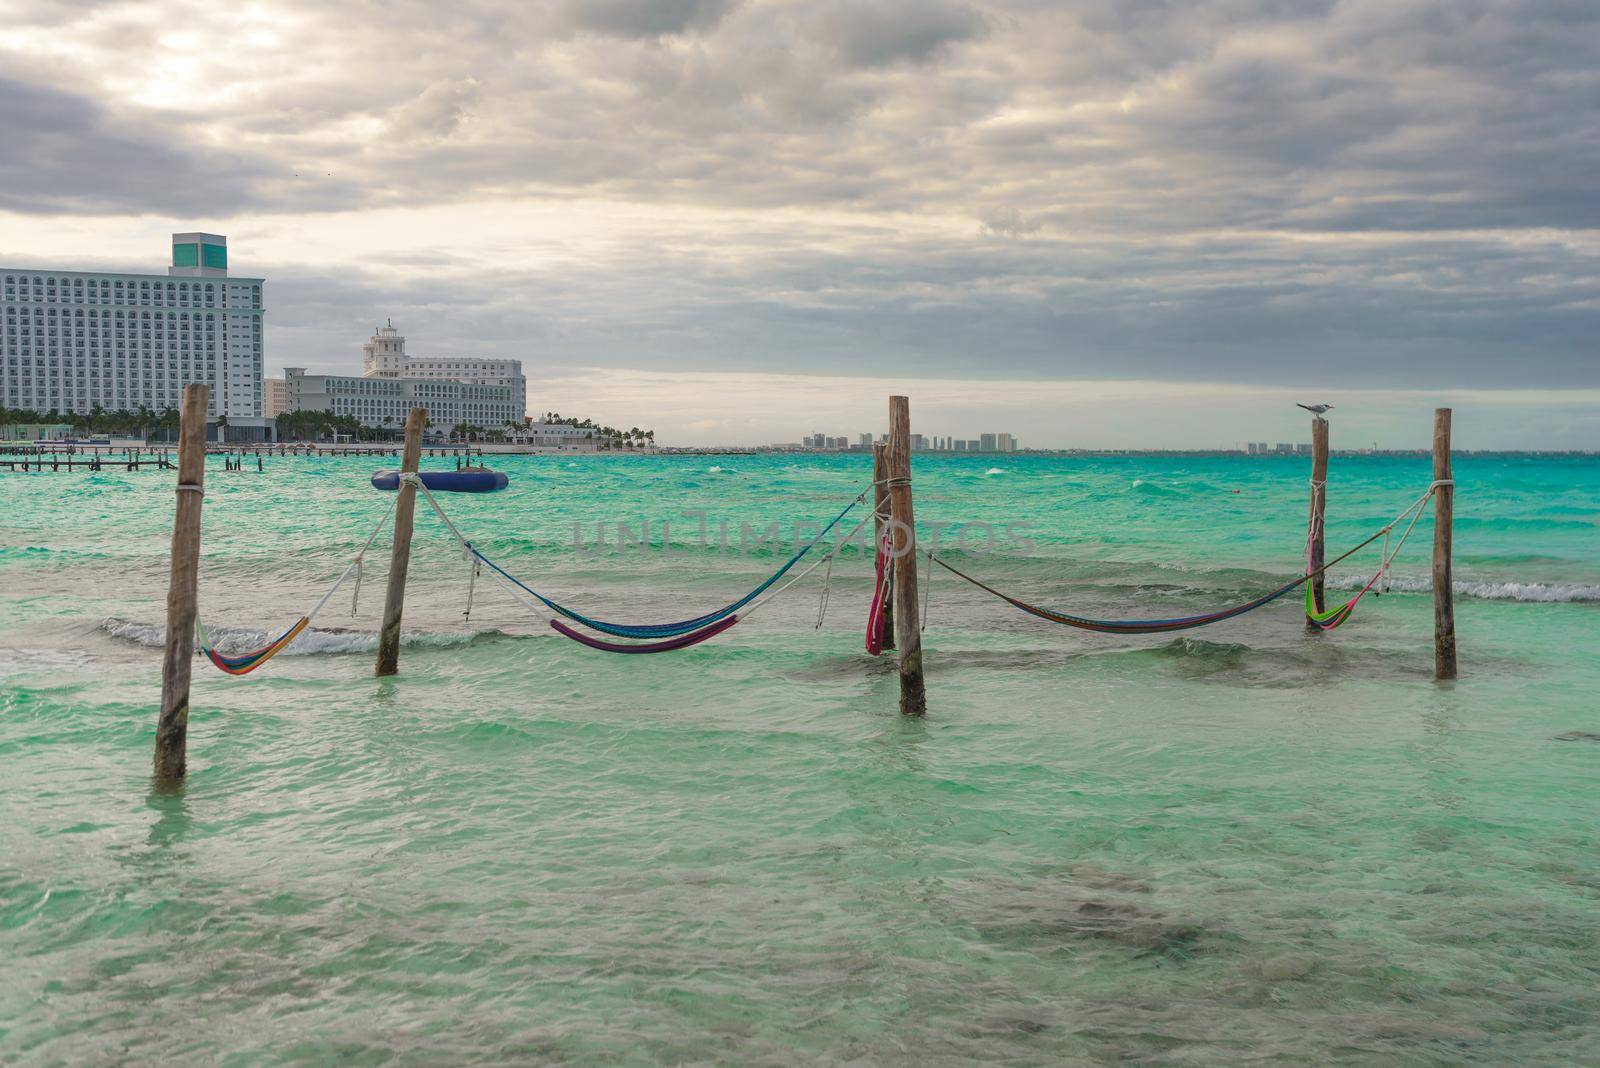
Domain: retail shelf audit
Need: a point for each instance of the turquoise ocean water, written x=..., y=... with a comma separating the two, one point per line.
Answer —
x=1239, y=844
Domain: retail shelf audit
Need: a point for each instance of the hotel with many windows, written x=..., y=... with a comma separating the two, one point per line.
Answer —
x=71, y=340
x=456, y=390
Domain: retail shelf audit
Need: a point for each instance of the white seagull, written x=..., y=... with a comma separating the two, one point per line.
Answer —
x=1318, y=410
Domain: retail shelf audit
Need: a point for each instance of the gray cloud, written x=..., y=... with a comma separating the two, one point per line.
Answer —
x=1238, y=189
x=1425, y=313
x=63, y=153
x=436, y=112
x=876, y=34
x=646, y=18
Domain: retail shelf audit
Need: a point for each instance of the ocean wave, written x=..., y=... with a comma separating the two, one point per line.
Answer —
x=233, y=640
x=1547, y=593
x=994, y=471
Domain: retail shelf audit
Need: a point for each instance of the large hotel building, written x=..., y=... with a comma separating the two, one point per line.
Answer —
x=70, y=340
x=456, y=390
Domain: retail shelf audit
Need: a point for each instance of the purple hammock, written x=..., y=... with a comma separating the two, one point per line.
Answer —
x=682, y=641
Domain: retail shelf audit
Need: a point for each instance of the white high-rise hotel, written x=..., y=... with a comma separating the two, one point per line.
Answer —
x=70, y=340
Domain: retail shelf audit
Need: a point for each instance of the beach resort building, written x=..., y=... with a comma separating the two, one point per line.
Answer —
x=71, y=340
x=274, y=397
x=456, y=391
x=555, y=435
x=384, y=356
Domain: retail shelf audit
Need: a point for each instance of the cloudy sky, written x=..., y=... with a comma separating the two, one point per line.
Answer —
x=1091, y=222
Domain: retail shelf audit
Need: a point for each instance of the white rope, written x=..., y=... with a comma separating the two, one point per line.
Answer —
x=466, y=546
x=827, y=586
x=750, y=608
x=355, y=595
x=927, y=597
x=355, y=567
x=411, y=479
x=1416, y=517
x=1316, y=524
x=1383, y=572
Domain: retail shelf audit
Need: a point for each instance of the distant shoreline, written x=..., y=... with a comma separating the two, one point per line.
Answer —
x=757, y=450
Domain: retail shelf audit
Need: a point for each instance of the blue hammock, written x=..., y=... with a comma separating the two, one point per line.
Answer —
x=668, y=630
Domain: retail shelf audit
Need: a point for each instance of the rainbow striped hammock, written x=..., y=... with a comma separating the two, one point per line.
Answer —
x=244, y=663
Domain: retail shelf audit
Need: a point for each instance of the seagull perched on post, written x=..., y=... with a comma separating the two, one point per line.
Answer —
x=1318, y=410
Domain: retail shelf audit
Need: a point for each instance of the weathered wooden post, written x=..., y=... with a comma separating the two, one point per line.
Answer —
x=400, y=555
x=908, y=635
x=880, y=523
x=172, y=727
x=1319, y=501
x=1444, y=612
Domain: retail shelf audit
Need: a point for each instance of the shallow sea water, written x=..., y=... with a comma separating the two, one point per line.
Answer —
x=1242, y=844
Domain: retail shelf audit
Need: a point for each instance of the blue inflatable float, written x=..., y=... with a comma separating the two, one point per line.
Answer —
x=467, y=480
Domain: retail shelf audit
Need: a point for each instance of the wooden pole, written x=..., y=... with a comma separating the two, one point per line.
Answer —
x=880, y=521
x=908, y=635
x=400, y=554
x=172, y=727
x=1444, y=612
x=1319, y=501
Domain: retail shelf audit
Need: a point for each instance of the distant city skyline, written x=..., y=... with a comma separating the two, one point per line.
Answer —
x=1103, y=223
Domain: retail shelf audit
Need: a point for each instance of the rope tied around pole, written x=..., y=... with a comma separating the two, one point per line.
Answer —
x=190, y=487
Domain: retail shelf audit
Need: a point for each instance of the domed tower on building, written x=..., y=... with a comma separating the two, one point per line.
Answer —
x=384, y=354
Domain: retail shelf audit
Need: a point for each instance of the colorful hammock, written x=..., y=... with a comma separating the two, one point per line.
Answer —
x=244, y=663
x=1330, y=618
x=658, y=630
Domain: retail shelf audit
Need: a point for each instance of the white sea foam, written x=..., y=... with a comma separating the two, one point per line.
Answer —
x=994, y=471
x=1549, y=593
x=233, y=640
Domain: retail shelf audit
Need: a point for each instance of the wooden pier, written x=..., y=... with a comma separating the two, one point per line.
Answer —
x=55, y=458
x=64, y=460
